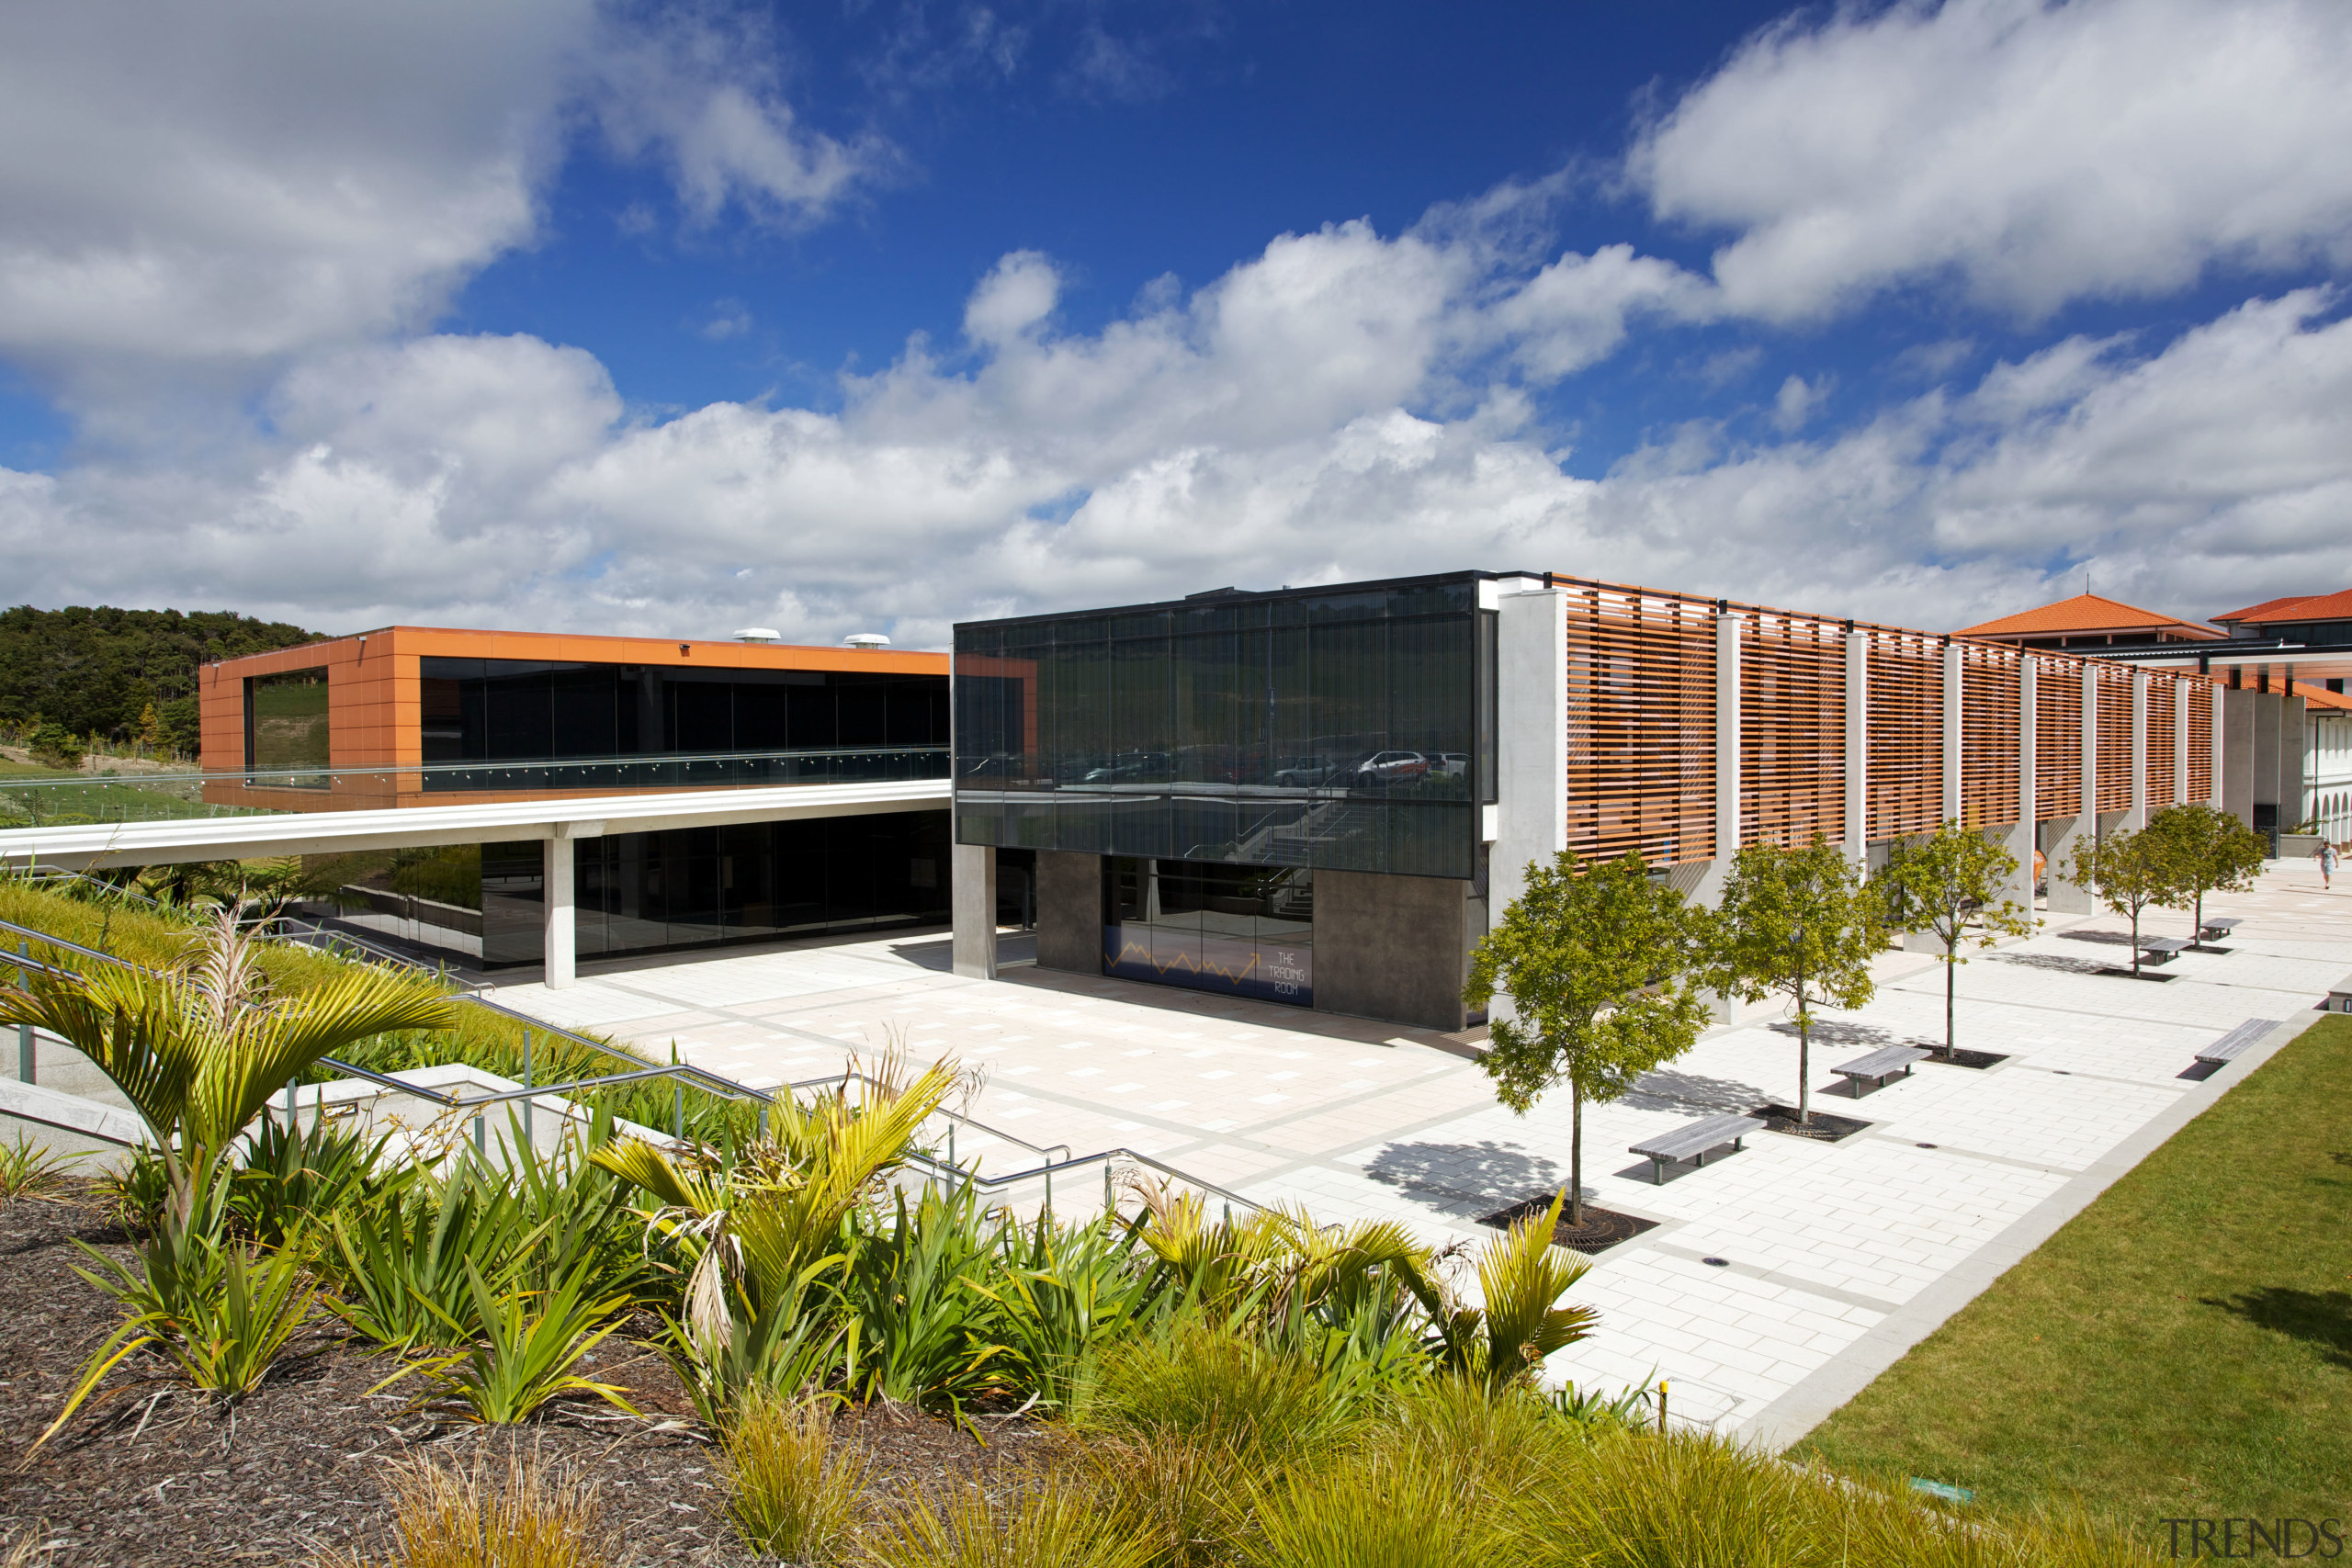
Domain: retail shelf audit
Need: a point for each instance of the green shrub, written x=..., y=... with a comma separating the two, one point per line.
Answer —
x=1049, y=1523
x=1199, y=1383
x=525, y=1344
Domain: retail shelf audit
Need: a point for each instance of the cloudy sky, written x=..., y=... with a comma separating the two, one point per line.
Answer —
x=875, y=315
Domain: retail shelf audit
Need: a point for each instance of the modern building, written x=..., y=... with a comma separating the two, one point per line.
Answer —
x=1321, y=797
x=407, y=718
x=2327, y=762
x=2088, y=624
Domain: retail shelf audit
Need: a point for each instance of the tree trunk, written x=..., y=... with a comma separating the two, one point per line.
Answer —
x=1950, y=984
x=1575, y=1156
x=2197, y=936
x=2135, y=942
x=1805, y=1065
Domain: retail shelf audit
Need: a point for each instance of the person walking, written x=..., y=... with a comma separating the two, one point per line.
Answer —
x=2325, y=855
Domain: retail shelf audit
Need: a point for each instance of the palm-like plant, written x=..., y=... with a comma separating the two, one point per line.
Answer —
x=198, y=1051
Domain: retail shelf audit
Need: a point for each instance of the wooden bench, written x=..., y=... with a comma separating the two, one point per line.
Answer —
x=2230, y=1047
x=1879, y=1066
x=2217, y=928
x=2162, y=949
x=1693, y=1140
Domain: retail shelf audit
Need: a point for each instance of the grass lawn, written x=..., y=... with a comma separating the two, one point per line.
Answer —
x=2182, y=1348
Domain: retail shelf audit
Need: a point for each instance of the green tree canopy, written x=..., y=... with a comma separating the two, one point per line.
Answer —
x=1949, y=885
x=2129, y=872
x=2200, y=850
x=97, y=671
x=1595, y=963
x=1798, y=924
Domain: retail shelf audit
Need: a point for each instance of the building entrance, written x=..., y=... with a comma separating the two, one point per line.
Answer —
x=1246, y=931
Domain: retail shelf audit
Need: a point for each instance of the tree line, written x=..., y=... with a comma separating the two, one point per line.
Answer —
x=71, y=676
x=1608, y=968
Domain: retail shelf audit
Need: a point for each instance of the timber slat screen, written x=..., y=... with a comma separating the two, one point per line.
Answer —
x=2163, y=694
x=2199, y=695
x=1989, y=690
x=1791, y=730
x=2114, y=738
x=2058, y=739
x=1906, y=733
x=1641, y=725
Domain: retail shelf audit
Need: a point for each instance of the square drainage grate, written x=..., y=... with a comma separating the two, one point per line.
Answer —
x=1603, y=1229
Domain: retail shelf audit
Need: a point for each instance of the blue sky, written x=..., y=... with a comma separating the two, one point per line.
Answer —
x=841, y=317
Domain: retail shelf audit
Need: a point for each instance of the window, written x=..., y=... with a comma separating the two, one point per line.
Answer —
x=286, y=725
x=1236, y=930
x=1330, y=727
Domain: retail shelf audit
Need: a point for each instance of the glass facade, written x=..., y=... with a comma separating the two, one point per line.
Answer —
x=510, y=710
x=287, y=724
x=706, y=886
x=1347, y=728
x=1239, y=931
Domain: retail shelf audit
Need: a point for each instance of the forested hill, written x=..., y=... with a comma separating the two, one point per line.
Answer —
x=97, y=671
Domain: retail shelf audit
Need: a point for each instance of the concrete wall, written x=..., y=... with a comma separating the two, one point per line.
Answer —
x=1069, y=911
x=1390, y=947
x=2237, y=754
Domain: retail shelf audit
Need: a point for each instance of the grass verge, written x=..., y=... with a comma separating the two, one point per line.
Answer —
x=2181, y=1348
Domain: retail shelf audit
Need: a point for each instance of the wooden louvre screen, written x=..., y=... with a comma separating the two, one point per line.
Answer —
x=1641, y=725
x=2057, y=738
x=1906, y=734
x=2114, y=738
x=2163, y=694
x=1989, y=690
x=2199, y=695
x=1791, y=730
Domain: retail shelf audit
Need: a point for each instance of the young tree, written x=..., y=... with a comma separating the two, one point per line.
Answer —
x=1950, y=886
x=1594, y=960
x=2128, y=871
x=1798, y=924
x=2203, y=851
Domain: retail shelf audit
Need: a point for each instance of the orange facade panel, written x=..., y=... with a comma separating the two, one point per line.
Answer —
x=1907, y=736
x=2200, y=696
x=2164, y=704
x=2114, y=687
x=1641, y=725
x=1990, y=686
x=2057, y=738
x=1791, y=730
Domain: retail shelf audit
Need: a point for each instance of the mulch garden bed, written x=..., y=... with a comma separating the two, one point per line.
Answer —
x=1602, y=1228
x=164, y=1483
x=1823, y=1128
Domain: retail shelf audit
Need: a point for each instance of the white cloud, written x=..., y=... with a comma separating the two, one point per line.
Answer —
x=1018, y=294
x=1795, y=402
x=704, y=99
x=2037, y=152
x=245, y=179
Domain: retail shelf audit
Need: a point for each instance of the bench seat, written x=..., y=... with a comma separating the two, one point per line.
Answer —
x=1693, y=1139
x=2230, y=1047
x=2162, y=949
x=1880, y=1065
x=2217, y=927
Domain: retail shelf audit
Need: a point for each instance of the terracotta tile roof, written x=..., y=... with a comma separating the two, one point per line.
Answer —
x=2312, y=607
x=2086, y=613
x=2256, y=611
x=2315, y=695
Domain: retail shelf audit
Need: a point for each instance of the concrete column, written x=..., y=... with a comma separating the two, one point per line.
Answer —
x=972, y=910
x=1857, y=745
x=1709, y=889
x=2294, y=803
x=2183, y=694
x=2234, y=771
x=557, y=900
x=1530, y=739
x=2139, y=814
x=2019, y=838
x=1952, y=694
x=1069, y=911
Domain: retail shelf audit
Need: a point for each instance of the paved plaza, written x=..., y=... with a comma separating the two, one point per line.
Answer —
x=1776, y=1281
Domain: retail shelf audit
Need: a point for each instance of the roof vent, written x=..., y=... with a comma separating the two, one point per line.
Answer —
x=759, y=634
x=866, y=639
